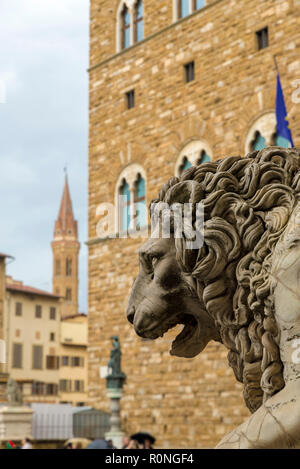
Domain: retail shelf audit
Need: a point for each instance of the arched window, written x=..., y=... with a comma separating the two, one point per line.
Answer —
x=198, y=4
x=140, y=201
x=69, y=267
x=183, y=8
x=130, y=198
x=186, y=164
x=124, y=206
x=126, y=26
x=259, y=142
x=57, y=267
x=139, y=21
x=204, y=158
x=194, y=153
x=279, y=141
x=262, y=133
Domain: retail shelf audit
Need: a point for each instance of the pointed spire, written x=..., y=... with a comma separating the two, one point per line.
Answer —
x=65, y=225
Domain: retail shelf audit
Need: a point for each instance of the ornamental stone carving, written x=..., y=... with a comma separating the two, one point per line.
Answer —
x=241, y=288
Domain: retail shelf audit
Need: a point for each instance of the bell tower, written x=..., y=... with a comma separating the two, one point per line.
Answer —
x=65, y=248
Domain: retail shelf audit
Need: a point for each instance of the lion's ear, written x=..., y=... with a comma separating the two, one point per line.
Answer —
x=184, y=192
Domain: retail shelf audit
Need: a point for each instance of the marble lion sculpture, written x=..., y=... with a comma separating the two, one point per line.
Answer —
x=241, y=288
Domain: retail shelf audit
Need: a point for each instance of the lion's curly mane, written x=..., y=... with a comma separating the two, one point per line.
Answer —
x=247, y=204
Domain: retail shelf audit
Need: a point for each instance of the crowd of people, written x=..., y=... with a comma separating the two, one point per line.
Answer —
x=25, y=444
x=136, y=441
x=139, y=441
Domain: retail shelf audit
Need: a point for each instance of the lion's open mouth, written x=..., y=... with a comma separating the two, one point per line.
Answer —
x=159, y=330
x=190, y=326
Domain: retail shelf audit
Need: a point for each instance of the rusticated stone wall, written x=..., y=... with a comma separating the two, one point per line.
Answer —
x=184, y=403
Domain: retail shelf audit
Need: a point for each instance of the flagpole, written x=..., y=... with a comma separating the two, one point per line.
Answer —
x=276, y=65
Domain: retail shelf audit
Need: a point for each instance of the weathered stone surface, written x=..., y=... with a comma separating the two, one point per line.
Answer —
x=241, y=288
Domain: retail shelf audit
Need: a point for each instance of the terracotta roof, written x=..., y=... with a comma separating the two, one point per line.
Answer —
x=72, y=316
x=66, y=223
x=5, y=255
x=29, y=290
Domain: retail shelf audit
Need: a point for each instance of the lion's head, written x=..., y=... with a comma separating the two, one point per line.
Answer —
x=223, y=290
x=164, y=296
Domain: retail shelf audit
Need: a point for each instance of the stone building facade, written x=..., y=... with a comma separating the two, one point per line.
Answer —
x=183, y=91
x=73, y=365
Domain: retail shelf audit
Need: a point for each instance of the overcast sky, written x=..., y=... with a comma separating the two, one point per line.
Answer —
x=44, y=126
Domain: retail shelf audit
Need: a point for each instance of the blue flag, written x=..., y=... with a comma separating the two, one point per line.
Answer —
x=282, y=128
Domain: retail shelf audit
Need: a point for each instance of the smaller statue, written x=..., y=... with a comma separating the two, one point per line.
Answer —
x=115, y=377
x=13, y=393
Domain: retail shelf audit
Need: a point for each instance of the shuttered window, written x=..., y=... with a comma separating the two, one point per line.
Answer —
x=65, y=385
x=38, y=311
x=78, y=386
x=52, y=313
x=64, y=361
x=51, y=389
x=18, y=309
x=37, y=357
x=77, y=361
x=17, y=355
x=52, y=362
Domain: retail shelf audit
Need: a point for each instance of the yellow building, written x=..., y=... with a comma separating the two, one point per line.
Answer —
x=32, y=336
x=73, y=366
x=3, y=373
x=44, y=336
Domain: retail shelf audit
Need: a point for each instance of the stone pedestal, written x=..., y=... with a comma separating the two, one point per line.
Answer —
x=15, y=423
x=115, y=434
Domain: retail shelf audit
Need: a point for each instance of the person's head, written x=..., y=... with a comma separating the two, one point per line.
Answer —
x=133, y=444
x=223, y=290
x=147, y=444
x=110, y=443
x=69, y=446
x=126, y=440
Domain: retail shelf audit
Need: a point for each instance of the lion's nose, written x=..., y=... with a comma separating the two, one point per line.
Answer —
x=130, y=314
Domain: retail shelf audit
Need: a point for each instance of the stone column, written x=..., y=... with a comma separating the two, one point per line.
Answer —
x=114, y=390
x=115, y=434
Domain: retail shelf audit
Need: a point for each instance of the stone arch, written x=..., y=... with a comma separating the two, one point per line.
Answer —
x=264, y=127
x=130, y=174
x=193, y=151
x=131, y=5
